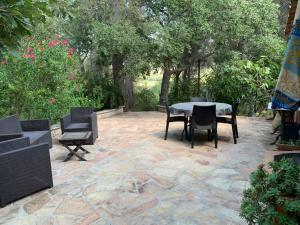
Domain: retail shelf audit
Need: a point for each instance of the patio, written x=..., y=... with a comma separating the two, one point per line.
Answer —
x=133, y=176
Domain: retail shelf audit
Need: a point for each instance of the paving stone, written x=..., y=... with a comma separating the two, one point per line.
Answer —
x=134, y=177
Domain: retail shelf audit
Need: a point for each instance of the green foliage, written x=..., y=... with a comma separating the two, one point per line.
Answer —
x=17, y=17
x=273, y=197
x=145, y=100
x=41, y=81
x=101, y=91
x=250, y=81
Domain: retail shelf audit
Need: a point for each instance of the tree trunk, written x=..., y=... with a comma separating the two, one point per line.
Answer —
x=164, y=92
x=176, y=84
x=123, y=82
x=198, y=78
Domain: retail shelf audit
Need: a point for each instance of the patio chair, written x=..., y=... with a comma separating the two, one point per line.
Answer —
x=198, y=99
x=81, y=119
x=231, y=120
x=38, y=131
x=204, y=118
x=24, y=169
x=171, y=119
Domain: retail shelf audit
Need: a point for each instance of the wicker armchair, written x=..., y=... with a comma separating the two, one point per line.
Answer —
x=38, y=131
x=81, y=119
x=24, y=169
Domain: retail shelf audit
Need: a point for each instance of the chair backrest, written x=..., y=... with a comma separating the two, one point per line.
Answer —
x=235, y=107
x=10, y=125
x=198, y=99
x=204, y=115
x=167, y=110
x=81, y=114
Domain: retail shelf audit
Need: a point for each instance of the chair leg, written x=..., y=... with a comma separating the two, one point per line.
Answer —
x=167, y=128
x=186, y=130
x=236, y=131
x=215, y=132
x=233, y=133
x=192, y=137
x=208, y=134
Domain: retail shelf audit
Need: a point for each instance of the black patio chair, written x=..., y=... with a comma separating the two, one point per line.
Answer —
x=24, y=169
x=204, y=118
x=198, y=99
x=81, y=119
x=171, y=119
x=231, y=120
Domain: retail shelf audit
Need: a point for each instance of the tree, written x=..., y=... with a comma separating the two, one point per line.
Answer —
x=17, y=18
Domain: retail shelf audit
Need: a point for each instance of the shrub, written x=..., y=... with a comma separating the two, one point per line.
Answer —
x=250, y=81
x=273, y=197
x=40, y=80
x=145, y=100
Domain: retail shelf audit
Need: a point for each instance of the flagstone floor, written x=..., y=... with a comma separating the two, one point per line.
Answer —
x=134, y=177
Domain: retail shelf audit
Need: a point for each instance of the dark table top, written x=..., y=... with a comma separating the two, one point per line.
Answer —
x=187, y=107
x=75, y=136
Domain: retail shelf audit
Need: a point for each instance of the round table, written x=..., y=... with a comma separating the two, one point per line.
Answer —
x=187, y=107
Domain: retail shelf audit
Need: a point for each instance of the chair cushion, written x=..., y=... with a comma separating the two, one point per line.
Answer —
x=77, y=127
x=34, y=136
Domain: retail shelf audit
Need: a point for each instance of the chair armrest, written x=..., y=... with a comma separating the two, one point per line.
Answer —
x=5, y=137
x=93, y=123
x=10, y=145
x=35, y=125
x=29, y=160
x=64, y=122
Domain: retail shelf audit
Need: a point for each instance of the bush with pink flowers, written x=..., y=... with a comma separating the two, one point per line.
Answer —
x=40, y=80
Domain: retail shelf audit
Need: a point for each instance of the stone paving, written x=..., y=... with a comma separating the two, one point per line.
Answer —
x=134, y=177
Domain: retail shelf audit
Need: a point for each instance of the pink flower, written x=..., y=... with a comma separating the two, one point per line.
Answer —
x=52, y=101
x=41, y=49
x=53, y=43
x=29, y=56
x=70, y=52
x=47, y=38
x=29, y=49
x=64, y=42
x=56, y=36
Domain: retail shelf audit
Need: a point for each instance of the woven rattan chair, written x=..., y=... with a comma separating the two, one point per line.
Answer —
x=81, y=119
x=24, y=169
x=231, y=120
x=38, y=131
x=171, y=119
x=204, y=118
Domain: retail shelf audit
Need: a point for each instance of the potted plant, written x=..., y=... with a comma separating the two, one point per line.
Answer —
x=273, y=197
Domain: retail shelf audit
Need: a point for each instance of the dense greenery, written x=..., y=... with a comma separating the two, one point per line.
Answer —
x=273, y=197
x=41, y=80
x=219, y=49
